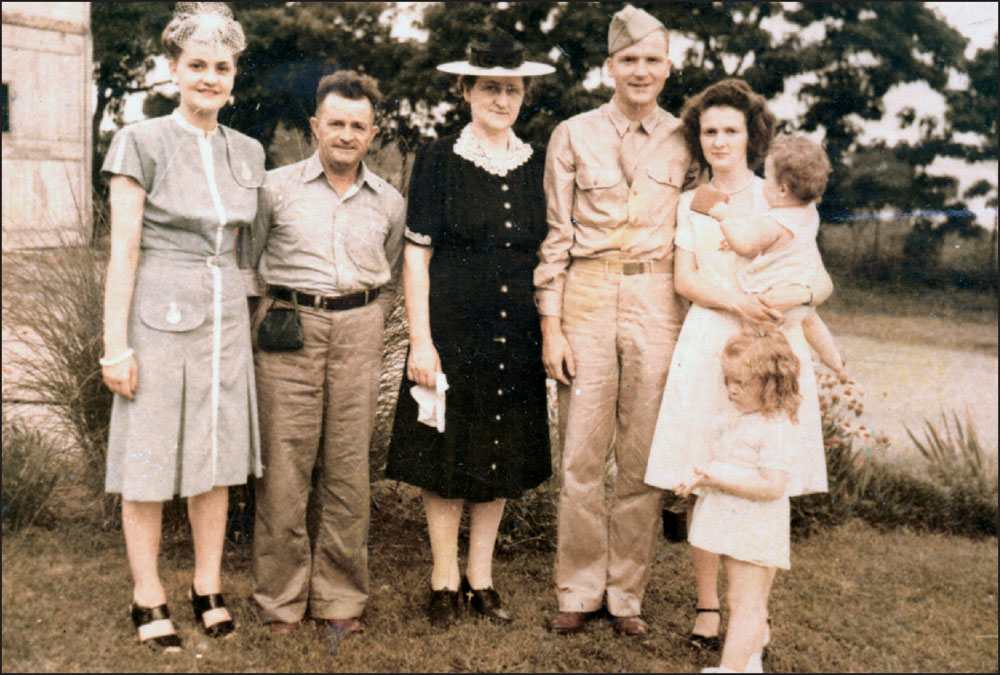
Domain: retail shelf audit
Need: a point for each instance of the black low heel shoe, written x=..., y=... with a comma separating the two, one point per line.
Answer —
x=206, y=603
x=704, y=641
x=443, y=607
x=486, y=601
x=148, y=624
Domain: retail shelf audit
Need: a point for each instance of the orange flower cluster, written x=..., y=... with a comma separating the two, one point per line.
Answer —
x=840, y=400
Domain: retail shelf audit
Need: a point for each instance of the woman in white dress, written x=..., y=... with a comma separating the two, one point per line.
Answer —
x=176, y=330
x=729, y=128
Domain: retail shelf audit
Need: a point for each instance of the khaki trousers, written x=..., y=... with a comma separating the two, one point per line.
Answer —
x=317, y=411
x=622, y=330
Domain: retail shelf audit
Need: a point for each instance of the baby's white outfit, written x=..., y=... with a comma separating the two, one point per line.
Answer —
x=796, y=262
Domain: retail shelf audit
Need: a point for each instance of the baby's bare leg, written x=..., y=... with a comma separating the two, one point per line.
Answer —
x=819, y=338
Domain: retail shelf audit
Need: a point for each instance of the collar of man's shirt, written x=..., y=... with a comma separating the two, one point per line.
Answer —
x=621, y=121
x=313, y=170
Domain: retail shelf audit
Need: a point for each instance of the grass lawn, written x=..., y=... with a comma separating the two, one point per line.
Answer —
x=855, y=600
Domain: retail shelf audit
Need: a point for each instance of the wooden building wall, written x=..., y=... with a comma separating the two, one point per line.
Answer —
x=47, y=156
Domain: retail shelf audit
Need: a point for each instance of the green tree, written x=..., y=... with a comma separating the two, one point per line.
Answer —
x=292, y=45
x=974, y=107
x=864, y=50
x=125, y=39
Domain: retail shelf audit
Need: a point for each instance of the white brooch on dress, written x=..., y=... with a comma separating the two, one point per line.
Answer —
x=468, y=147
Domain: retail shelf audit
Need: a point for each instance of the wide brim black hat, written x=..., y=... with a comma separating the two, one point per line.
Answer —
x=495, y=52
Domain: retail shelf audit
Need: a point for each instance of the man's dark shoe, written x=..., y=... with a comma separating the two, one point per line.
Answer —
x=346, y=626
x=282, y=628
x=631, y=625
x=565, y=623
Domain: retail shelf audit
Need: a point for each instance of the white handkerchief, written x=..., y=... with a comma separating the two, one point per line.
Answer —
x=431, y=402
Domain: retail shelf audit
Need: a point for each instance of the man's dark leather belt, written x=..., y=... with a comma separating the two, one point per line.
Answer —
x=349, y=301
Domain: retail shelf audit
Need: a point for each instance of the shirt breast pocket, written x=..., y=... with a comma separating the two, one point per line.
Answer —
x=598, y=178
x=175, y=306
x=668, y=174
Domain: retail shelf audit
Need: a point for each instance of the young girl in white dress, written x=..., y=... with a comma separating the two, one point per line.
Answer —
x=742, y=512
x=782, y=242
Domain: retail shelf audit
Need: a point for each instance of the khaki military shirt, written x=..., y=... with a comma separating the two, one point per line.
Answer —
x=592, y=211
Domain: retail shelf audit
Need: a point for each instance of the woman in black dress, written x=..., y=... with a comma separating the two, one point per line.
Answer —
x=475, y=219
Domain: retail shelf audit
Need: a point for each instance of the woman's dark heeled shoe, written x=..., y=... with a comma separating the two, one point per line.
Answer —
x=442, y=609
x=201, y=604
x=144, y=619
x=705, y=641
x=767, y=641
x=486, y=601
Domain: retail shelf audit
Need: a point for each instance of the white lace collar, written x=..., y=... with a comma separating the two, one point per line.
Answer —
x=468, y=147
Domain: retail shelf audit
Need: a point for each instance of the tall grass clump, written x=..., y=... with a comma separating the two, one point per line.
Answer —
x=31, y=470
x=53, y=302
x=953, y=490
x=956, y=458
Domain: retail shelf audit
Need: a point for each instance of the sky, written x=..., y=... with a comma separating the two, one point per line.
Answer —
x=975, y=20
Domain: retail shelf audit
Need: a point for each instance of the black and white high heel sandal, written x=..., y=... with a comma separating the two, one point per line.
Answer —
x=155, y=628
x=211, y=612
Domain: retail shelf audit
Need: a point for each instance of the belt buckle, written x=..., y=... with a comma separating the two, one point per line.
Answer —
x=633, y=267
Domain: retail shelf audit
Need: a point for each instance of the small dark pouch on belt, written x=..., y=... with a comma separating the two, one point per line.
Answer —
x=281, y=329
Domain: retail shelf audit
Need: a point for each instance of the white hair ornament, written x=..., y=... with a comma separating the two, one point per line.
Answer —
x=208, y=23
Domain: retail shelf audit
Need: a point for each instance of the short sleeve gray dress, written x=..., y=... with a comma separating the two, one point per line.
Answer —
x=193, y=423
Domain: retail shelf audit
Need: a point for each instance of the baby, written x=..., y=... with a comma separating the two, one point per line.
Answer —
x=782, y=242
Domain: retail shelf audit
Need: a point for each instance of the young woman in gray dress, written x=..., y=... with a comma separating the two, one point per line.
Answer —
x=475, y=219
x=176, y=331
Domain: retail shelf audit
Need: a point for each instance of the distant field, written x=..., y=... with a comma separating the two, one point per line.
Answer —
x=918, y=352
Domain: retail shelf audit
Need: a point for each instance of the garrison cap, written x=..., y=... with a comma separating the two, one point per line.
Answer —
x=628, y=26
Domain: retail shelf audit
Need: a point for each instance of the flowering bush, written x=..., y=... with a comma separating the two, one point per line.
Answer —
x=851, y=450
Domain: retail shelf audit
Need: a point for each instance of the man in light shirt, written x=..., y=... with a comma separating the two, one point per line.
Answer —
x=610, y=320
x=332, y=237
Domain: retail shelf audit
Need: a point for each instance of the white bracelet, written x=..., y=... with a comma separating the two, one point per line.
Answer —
x=115, y=361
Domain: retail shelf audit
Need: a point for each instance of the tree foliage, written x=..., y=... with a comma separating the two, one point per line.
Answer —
x=974, y=108
x=125, y=39
x=844, y=57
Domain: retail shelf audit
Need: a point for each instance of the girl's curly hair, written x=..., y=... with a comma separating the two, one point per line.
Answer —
x=771, y=362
